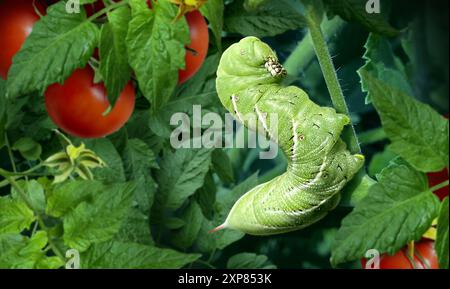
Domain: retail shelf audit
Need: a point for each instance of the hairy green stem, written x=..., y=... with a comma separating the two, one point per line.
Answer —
x=331, y=79
x=107, y=9
x=10, y=154
x=304, y=53
x=24, y=173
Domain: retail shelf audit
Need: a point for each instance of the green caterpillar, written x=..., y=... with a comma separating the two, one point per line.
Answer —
x=319, y=165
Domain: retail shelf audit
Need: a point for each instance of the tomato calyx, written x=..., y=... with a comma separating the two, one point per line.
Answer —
x=74, y=160
x=186, y=6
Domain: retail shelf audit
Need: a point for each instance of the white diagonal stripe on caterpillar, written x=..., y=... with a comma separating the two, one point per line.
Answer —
x=234, y=99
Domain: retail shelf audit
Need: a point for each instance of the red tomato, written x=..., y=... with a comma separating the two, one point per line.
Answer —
x=424, y=258
x=17, y=19
x=198, y=48
x=93, y=8
x=78, y=106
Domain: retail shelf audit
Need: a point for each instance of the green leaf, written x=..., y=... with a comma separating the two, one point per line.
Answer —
x=50, y=263
x=222, y=166
x=203, y=83
x=253, y=4
x=355, y=11
x=20, y=252
x=135, y=228
x=138, y=160
x=193, y=217
x=112, y=255
x=28, y=148
x=418, y=133
x=249, y=261
x=156, y=49
x=15, y=215
x=182, y=173
x=382, y=63
x=269, y=20
x=99, y=220
x=441, y=244
x=225, y=200
x=398, y=209
x=67, y=196
x=380, y=161
x=59, y=43
x=174, y=223
x=357, y=189
x=206, y=196
x=138, y=127
x=213, y=11
x=160, y=122
x=139, y=157
x=114, y=66
x=114, y=170
x=34, y=191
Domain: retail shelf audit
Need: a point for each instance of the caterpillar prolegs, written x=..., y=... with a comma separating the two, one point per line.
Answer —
x=319, y=165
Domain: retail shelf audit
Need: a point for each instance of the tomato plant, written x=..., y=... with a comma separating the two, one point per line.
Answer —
x=16, y=23
x=125, y=181
x=197, y=50
x=80, y=107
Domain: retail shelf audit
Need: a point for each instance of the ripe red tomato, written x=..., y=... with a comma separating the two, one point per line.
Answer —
x=424, y=258
x=16, y=22
x=78, y=106
x=198, y=48
x=93, y=8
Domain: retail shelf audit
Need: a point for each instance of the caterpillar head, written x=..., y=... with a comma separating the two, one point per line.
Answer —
x=244, y=65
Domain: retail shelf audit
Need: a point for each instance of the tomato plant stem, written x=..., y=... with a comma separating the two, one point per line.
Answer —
x=107, y=9
x=10, y=154
x=27, y=173
x=329, y=73
x=440, y=186
x=39, y=218
x=302, y=56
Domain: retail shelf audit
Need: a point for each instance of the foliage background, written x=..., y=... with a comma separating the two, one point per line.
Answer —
x=164, y=215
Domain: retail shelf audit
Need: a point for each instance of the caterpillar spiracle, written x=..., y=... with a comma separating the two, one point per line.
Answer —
x=319, y=165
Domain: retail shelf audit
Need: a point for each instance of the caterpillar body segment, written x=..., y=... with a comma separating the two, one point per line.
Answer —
x=319, y=165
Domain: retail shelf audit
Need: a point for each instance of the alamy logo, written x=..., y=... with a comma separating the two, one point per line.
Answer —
x=373, y=6
x=73, y=6
x=210, y=131
x=73, y=259
x=373, y=259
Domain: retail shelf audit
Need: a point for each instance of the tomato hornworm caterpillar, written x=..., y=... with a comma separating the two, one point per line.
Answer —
x=319, y=165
